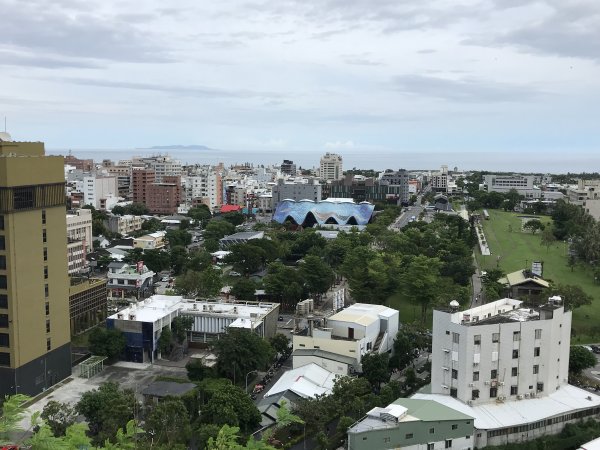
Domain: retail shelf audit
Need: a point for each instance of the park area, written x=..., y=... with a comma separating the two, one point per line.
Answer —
x=512, y=249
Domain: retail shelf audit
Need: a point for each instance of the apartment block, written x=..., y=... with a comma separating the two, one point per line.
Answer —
x=87, y=303
x=100, y=192
x=331, y=167
x=35, y=349
x=124, y=225
x=310, y=189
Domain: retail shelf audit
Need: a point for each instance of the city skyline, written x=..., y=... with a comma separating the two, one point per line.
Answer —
x=484, y=76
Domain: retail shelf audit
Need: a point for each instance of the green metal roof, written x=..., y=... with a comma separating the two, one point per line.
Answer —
x=430, y=410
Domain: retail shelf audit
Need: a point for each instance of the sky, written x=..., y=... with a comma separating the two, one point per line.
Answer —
x=304, y=75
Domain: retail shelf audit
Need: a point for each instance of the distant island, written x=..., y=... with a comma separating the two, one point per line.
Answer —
x=179, y=147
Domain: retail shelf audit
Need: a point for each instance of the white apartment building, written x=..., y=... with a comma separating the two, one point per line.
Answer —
x=79, y=240
x=507, y=366
x=124, y=225
x=439, y=180
x=350, y=334
x=587, y=195
x=331, y=167
x=163, y=165
x=100, y=192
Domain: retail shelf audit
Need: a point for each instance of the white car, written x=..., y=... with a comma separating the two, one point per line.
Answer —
x=234, y=274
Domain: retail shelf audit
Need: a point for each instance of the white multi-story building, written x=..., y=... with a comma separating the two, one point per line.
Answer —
x=100, y=192
x=163, y=165
x=439, y=180
x=331, y=167
x=587, y=195
x=523, y=184
x=339, y=342
x=507, y=366
x=79, y=240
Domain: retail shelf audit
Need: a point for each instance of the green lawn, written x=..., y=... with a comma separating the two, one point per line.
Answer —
x=517, y=250
x=409, y=312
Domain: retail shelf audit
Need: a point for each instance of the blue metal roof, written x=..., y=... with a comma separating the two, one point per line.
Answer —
x=341, y=212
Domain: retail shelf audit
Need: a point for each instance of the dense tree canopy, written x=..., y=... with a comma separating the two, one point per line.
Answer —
x=239, y=351
x=581, y=358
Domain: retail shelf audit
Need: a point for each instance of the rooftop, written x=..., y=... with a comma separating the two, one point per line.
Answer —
x=151, y=309
x=363, y=313
x=244, y=235
x=523, y=276
x=510, y=413
x=307, y=381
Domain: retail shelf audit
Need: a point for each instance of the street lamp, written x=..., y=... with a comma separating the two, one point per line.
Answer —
x=248, y=374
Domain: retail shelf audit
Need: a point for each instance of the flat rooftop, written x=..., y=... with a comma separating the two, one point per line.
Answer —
x=363, y=313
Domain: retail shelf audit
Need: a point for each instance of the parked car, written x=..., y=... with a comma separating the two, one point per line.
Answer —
x=233, y=273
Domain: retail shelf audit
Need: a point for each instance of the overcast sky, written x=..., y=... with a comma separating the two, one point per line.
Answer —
x=405, y=75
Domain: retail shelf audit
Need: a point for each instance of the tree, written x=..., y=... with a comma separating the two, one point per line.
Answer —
x=246, y=258
x=403, y=351
x=156, y=260
x=534, y=225
x=420, y=280
x=280, y=343
x=205, y=432
x=548, y=238
x=13, y=412
x=180, y=327
x=107, y=409
x=58, y=416
x=572, y=296
x=164, y=341
x=110, y=343
x=572, y=262
x=169, y=422
x=178, y=238
x=317, y=275
x=216, y=229
x=234, y=218
x=580, y=358
x=239, y=351
x=200, y=214
x=203, y=284
x=375, y=368
x=232, y=406
x=178, y=259
x=197, y=371
x=244, y=289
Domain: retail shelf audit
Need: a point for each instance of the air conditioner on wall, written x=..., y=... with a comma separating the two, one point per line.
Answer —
x=520, y=397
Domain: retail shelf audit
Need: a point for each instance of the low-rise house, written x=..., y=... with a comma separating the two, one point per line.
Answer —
x=523, y=283
x=152, y=241
x=129, y=281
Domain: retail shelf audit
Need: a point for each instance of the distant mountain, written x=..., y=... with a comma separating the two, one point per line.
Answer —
x=180, y=147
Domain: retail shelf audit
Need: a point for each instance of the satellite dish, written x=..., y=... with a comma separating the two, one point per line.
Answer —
x=5, y=137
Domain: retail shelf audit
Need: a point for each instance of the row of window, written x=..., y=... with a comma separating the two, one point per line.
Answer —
x=495, y=336
x=514, y=390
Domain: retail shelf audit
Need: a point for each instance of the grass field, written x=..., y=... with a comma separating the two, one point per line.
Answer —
x=517, y=250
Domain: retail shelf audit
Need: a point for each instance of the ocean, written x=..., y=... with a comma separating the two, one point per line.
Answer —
x=510, y=161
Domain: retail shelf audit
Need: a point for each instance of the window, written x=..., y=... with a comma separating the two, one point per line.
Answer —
x=409, y=436
x=431, y=430
x=540, y=387
x=455, y=427
x=47, y=325
x=536, y=369
x=515, y=371
x=430, y=446
x=1, y=222
x=494, y=374
x=47, y=308
x=2, y=243
x=454, y=374
x=23, y=197
x=45, y=254
x=3, y=320
x=453, y=392
x=495, y=337
x=2, y=262
x=493, y=392
x=536, y=351
x=448, y=443
x=477, y=339
x=516, y=335
x=4, y=341
x=4, y=359
x=475, y=376
x=48, y=344
x=4, y=301
x=3, y=282
x=538, y=333
x=475, y=394
x=386, y=440
x=45, y=272
x=515, y=354
x=43, y=217
x=514, y=390
x=46, y=290
x=447, y=333
x=455, y=338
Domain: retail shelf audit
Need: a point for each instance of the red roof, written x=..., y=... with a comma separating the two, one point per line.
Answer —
x=230, y=208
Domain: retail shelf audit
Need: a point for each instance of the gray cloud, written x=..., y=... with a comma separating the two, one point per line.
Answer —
x=43, y=27
x=464, y=89
x=8, y=58
x=361, y=59
x=188, y=91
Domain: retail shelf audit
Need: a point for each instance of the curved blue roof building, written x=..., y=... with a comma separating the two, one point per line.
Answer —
x=332, y=211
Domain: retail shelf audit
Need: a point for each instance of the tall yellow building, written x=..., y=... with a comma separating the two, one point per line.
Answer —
x=35, y=349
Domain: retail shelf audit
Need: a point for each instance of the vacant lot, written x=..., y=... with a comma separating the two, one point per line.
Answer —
x=513, y=250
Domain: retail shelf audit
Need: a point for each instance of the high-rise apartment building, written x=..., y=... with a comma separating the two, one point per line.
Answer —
x=35, y=349
x=331, y=167
x=141, y=179
x=288, y=167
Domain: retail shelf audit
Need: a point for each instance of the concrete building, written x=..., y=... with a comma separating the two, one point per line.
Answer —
x=152, y=241
x=164, y=197
x=412, y=424
x=363, y=189
x=297, y=190
x=87, y=303
x=398, y=178
x=141, y=180
x=126, y=282
x=124, y=225
x=587, y=195
x=353, y=332
x=79, y=240
x=142, y=322
x=507, y=366
x=162, y=165
x=100, y=192
x=439, y=180
x=331, y=167
x=523, y=184
x=35, y=343
x=288, y=167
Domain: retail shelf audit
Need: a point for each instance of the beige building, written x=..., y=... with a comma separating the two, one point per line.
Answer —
x=124, y=225
x=586, y=195
x=79, y=240
x=152, y=241
x=331, y=167
x=35, y=348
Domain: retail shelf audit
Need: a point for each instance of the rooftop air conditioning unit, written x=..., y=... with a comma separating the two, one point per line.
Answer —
x=527, y=395
x=470, y=402
x=501, y=398
x=195, y=307
x=501, y=383
x=131, y=316
x=520, y=397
